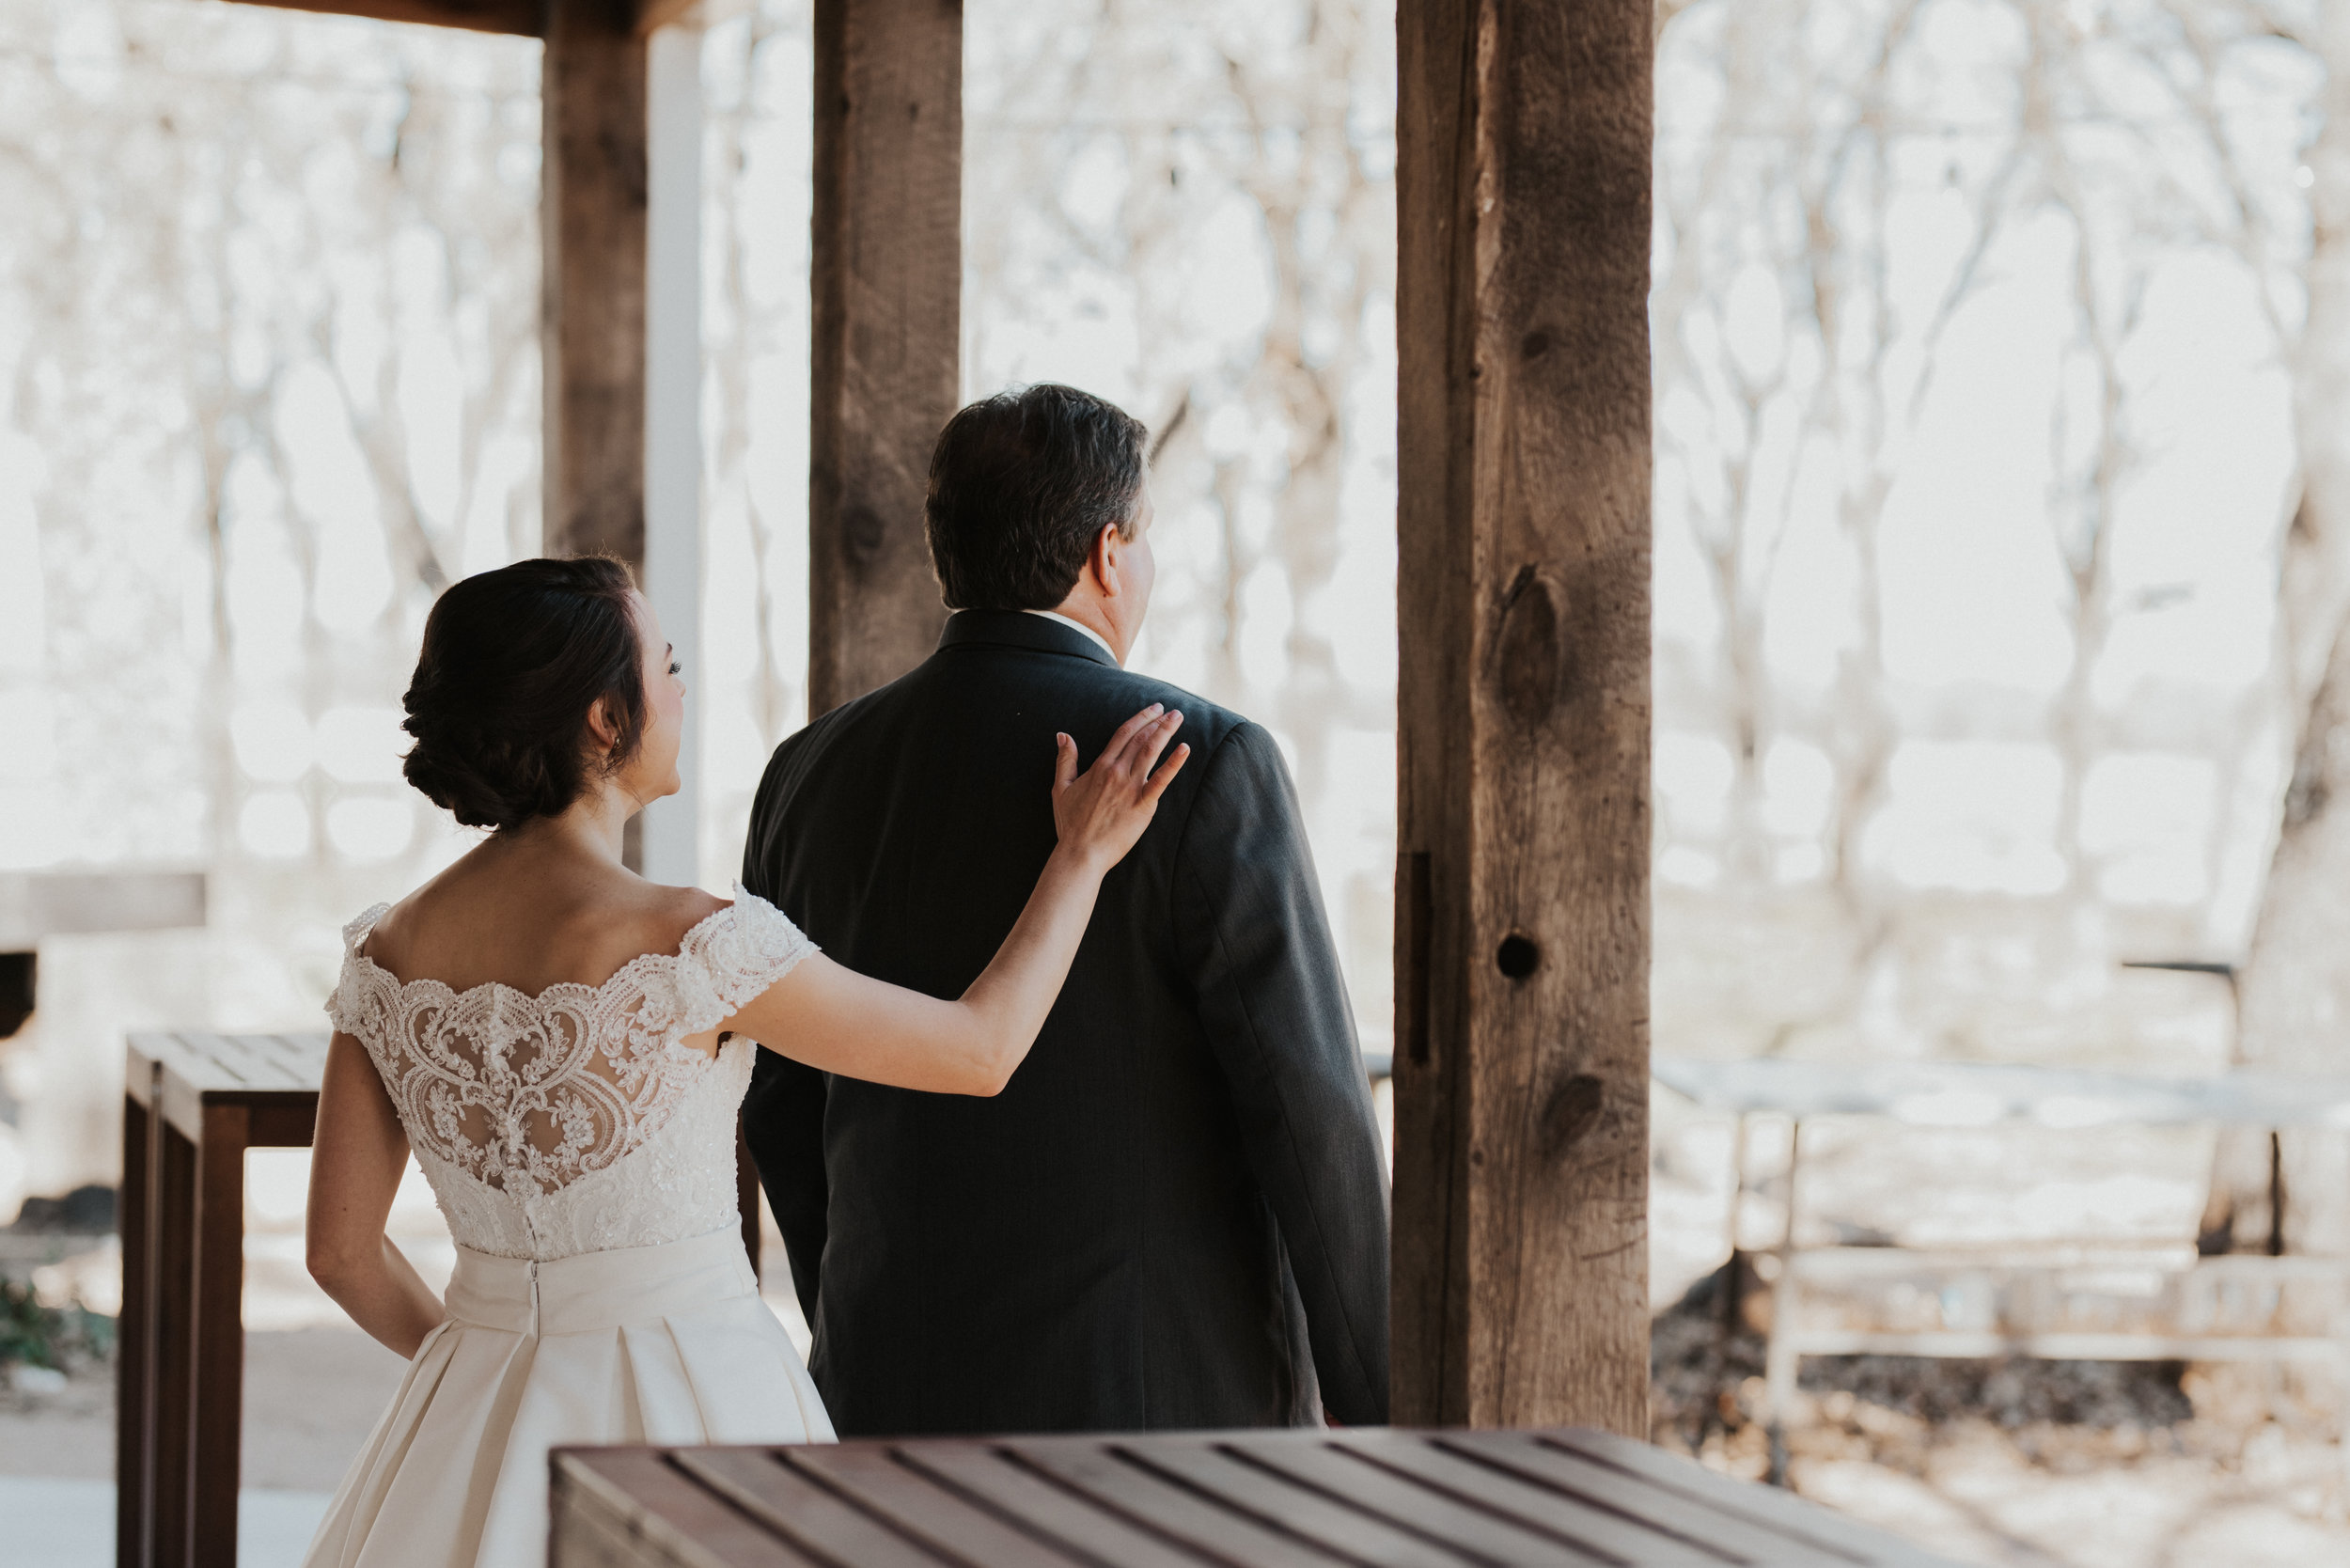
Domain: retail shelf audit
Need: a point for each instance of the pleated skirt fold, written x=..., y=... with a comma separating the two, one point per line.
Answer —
x=663, y=1344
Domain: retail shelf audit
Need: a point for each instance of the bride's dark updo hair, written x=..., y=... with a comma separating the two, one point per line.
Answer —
x=513, y=661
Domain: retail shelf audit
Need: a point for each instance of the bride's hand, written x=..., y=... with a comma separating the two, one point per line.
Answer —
x=838, y=1021
x=1100, y=813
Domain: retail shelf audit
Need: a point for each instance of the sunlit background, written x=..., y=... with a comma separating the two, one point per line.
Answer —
x=1980, y=360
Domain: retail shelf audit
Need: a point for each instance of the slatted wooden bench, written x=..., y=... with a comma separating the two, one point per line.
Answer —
x=1564, y=1498
x=2077, y=1299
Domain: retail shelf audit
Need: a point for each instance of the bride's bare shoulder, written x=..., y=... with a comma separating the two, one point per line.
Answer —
x=532, y=932
x=671, y=913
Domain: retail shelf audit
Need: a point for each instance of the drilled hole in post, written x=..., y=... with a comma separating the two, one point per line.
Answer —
x=1518, y=956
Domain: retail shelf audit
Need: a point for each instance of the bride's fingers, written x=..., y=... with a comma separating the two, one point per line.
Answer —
x=1118, y=741
x=1064, y=762
x=1147, y=746
x=1156, y=785
x=1129, y=757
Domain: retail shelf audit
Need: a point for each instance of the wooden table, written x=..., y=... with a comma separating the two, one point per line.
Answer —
x=193, y=1103
x=1373, y=1497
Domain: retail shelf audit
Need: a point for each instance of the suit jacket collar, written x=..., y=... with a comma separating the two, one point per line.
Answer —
x=1018, y=629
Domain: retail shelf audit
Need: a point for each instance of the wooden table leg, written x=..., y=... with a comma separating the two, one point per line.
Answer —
x=135, y=1351
x=219, y=1381
x=172, y=1374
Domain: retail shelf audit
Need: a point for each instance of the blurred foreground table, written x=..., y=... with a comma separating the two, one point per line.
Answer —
x=193, y=1103
x=1562, y=1498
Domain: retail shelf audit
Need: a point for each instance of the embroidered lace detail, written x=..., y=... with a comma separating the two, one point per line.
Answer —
x=573, y=1121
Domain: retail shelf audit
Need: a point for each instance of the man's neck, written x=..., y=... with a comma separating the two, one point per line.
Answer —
x=1096, y=633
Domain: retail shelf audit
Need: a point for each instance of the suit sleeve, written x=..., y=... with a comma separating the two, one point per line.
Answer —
x=783, y=1120
x=1256, y=943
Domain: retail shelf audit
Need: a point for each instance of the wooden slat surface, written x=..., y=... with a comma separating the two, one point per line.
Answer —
x=276, y=1077
x=1341, y=1473
x=639, y=1492
x=940, y=1519
x=1371, y=1498
x=1213, y=1533
x=237, y=1064
x=799, y=1510
x=981, y=1471
x=1613, y=1536
x=1764, y=1504
x=1605, y=1486
x=1276, y=1502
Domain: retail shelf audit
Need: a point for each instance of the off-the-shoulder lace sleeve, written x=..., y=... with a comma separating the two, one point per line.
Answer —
x=727, y=960
x=349, y=1005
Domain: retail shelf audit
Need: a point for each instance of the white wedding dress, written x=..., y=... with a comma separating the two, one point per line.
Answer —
x=584, y=1161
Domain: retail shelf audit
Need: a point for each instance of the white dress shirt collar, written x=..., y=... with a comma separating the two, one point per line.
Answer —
x=1099, y=640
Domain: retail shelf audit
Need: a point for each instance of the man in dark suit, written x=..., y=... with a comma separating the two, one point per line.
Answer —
x=1176, y=1214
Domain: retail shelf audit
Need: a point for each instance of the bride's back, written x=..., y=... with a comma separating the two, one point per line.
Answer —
x=545, y=1032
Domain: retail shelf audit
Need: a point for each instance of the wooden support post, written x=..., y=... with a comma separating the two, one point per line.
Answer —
x=1521, y=1264
x=886, y=274
x=592, y=326
x=621, y=333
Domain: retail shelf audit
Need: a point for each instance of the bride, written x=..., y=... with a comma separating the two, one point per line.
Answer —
x=563, y=1045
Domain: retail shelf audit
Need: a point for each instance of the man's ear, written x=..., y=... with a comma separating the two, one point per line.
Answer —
x=1103, y=562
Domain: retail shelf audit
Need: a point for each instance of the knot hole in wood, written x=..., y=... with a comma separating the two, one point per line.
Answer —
x=1573, y=1111
x=1527, y=654
x=1518, y=956
x=865, y=533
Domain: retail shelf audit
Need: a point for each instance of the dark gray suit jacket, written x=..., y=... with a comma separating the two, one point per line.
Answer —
x=1176, y=1215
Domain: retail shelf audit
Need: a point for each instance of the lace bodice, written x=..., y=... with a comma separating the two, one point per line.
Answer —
x=573, y=1121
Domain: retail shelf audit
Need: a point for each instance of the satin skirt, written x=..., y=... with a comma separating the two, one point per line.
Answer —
x=647, y=1344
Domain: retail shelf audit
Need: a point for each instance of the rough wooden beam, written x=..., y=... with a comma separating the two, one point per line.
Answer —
x=1521, y=1264
x=592, y=326
x=481, y=16
x=887, y=278
x=652, y=14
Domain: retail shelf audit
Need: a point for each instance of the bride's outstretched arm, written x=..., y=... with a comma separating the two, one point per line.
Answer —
x=840, y=1021
x=356, y=1167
